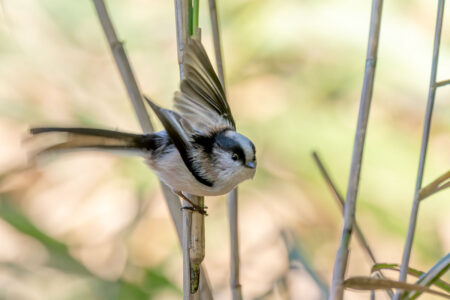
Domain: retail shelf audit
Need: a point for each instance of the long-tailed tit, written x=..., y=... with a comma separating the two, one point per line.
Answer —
x=199, y=152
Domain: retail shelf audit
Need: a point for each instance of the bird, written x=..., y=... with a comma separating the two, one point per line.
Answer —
x=199, y=152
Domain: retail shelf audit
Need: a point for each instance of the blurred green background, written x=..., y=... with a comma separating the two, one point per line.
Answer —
x=95, y=226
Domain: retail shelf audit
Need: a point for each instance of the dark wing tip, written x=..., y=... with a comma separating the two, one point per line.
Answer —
x=152, y=104
x=38, y=130
x=34, y=130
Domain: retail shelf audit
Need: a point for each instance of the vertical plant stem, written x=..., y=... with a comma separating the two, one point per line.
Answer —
x=217, y=42
x=236, y=289
x=186, y=241
x=423, y=148
x=181, y=13
x=181, y=16
x=135, y=95
x=195, y=15
x=340, y=264
x=197, y=245
x=193, y=223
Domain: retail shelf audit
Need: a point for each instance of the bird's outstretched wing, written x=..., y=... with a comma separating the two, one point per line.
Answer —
x=202, y=101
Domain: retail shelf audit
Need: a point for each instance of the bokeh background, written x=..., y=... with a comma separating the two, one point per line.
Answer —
x=95, y=226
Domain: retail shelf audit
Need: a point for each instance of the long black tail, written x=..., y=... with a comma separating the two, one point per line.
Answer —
x=98, y=139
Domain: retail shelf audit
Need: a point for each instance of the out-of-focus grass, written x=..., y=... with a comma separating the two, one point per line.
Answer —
x=150, y=282
x=294, y=73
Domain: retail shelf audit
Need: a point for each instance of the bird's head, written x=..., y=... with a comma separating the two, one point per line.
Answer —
x=234, y=155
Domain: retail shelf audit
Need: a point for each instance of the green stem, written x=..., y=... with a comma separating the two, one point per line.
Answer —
x=195, y=13
x=194, y=8
x=193, y=16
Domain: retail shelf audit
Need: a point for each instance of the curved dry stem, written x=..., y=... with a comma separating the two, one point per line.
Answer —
x=439, y=184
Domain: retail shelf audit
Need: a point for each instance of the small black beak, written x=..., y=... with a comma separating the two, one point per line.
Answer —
x=251, y=165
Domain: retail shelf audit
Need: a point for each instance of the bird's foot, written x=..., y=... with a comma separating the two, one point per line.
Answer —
x=194, y=207
x=197, y=208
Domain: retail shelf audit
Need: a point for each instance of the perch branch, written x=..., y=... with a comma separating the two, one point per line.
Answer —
x=193, y=222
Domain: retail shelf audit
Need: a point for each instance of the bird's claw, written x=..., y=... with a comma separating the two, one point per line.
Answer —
x=197, y=208
x=193, y=207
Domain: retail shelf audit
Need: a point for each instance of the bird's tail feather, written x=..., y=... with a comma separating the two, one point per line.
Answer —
x=96, y=139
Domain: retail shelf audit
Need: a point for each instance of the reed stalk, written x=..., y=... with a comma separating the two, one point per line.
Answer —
x=193, y=239
x=340, y=265
x=423, y=148
x=340, y=201
x=236, y=289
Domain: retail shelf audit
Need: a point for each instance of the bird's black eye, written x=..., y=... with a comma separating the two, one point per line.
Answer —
x=234, y=156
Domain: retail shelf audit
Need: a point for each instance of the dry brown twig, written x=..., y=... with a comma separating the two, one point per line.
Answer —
x=439, y=184
x=367, y=283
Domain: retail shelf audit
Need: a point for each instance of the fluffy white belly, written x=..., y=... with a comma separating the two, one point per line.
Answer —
x=173, y=172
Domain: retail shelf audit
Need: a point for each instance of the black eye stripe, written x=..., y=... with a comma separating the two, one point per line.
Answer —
x=231, y=145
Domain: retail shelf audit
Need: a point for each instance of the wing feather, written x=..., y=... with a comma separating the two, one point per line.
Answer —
x=173, y=123
x=202, y=100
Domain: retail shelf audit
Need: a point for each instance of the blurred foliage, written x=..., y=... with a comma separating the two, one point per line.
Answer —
x=152, y=280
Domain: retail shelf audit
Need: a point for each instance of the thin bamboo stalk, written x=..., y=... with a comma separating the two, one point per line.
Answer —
x=216, y=39
x=124, y=66
x=181, y=22
x=186, y=241
x=181, y=13
x=423, y=148
x=193, y=222
x=135, y=95
x=340, y=200
x=236, y=288
x=340, y=265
